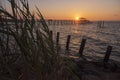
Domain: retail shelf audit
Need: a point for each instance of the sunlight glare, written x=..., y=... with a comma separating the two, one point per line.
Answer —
x=77, y=18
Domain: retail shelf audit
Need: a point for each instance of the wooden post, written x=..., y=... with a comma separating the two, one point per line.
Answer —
x=82, y=47
x=57, y=38
x=107, y=55
x=51, y=34
x=68, y=42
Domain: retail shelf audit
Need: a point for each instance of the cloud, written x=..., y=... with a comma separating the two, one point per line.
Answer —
x=116, y=15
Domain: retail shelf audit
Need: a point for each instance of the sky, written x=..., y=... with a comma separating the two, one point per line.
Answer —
x=71, y=9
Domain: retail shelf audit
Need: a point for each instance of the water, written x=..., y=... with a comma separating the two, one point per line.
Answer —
x=97, y=38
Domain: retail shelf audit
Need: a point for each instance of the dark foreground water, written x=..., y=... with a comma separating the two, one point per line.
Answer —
x=97, y=38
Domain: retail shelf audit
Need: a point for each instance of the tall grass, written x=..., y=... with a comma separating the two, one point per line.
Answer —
x=27, y=51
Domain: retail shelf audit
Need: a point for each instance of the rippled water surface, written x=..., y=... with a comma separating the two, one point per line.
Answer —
x=97, y=38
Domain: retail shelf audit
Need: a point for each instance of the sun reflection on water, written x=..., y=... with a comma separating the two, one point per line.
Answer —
x=75, y=29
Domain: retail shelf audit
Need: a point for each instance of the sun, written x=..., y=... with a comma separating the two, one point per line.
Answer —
x=77, y=18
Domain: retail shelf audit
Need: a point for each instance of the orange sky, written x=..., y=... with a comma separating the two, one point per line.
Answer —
x=70, y=9
x=90, y=9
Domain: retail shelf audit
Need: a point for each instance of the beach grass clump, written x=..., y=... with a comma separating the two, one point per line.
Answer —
x=27, y=51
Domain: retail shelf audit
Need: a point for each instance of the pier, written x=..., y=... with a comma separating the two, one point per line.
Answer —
x=60, y=22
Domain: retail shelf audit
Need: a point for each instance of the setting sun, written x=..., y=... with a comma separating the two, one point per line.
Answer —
x=77, y=18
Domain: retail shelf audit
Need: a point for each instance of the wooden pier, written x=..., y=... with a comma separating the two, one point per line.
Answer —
x=60, y=22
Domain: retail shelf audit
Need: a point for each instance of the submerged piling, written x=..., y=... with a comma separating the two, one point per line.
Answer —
x=51, y=34
x=82, y=47
x=57, y=38
x=107, y=55
x=68, y=42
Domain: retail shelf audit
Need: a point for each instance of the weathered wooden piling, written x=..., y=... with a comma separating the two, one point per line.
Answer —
x=68, y=42
x=82, y=45
x=57, y=38
x=107, y=55
x=51, y=34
